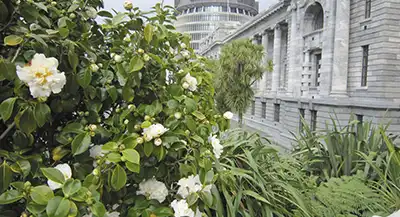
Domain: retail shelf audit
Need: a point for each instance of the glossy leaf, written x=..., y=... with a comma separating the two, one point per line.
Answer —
x=58, y=207
x=6, y=108
x=42, y=113
x=10, y=196
x=118, y=178
x=13, y=40
x=53, y=174
x=71, y=186
x=41, y=194
x=81, y=143
x=131, y=155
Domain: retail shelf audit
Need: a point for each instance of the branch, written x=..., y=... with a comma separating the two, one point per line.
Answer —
x=7, y=130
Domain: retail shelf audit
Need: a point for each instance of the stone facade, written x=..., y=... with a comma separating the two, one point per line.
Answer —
x=332, y=58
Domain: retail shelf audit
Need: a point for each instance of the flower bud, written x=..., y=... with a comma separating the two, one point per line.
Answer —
x=86, y=114
x=131, y=106
x=126, y=121
x=53, y=3
x=118, y=58
x=137, y=127
x=34, y=27
x=147, y=118
x=178, y=115
x=146, y=57
x=72, y=16
x=96, y=172
x=92, y=127
x=128, y=5
x=140, y=140
x=92, y=134
x=118, y=110
x=100, y=65
x=157, y=142
x=112, y=55
x=187, y=132
x=127, y=38
x=94, y=67
x=185, y=85
x=140, y=51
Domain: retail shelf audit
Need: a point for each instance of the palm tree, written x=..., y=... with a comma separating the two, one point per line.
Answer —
x=240, y=66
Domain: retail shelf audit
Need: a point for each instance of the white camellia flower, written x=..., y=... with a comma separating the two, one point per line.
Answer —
x=153, y=190
x=189, y=185
x=128, y=5
x=42, y=76
x=97, y=151
x=154, y=131
x=228, y=115
x=216, y=144
x=191, y=82
x=65, y=169
x=181, y=209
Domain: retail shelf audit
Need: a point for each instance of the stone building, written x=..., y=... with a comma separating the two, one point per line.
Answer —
x=199, y=18
x=331, y=58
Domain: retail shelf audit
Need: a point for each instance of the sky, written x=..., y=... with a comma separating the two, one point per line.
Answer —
x=147, y=4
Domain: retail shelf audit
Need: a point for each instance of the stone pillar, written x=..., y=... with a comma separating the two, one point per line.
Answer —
x=263, y=83
x=276, y=58
x=341, y=52
x=327, y=48
x=293, y=75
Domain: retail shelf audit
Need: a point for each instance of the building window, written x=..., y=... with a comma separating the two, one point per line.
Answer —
x=364, y=73
x=277, y=110
x=319, y=21
x=313, y=120
x=264, y=110
x=367, y=9
x=360, y=118
x=302, y=115
x=253, y=108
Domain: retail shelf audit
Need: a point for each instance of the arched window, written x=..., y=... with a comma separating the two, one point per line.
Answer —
x=314, y=18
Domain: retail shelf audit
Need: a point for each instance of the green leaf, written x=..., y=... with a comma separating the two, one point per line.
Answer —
x=27, y=122
x=98, y=209
x=112, y=92
x=5, y=176
x=135, y=168
x=57, y=207
x=190, y=104
x=3, y=12
x=25, y=167
x=13, y=40
x=62, y=22
x=6, y=108
x=255, y=196
x=73, y=7
x=190, y=123
x=192, y=199
x=105, y=14
x=163, y=212
x=41, y=194
x=128, y=94
x=81, y=143
x=71, y=186
x=198, y=139
x=42, y=113
x=172, y=104
x=131, y=155
x=73, y=128
x=148, y=32
x=119, y=18
x=35, y=208
x=84, y=77
x=53, y=174
x=145, y=124
x=136, y=63
x=199, y=115
x=148, y=148
x=7, y=70
x=10, y=196
x=130, y=142
x=73, y=59
x=64, y=32
x=114, y=157
x=39, y=39
x=118, y=178
x=41, y=6
x=110, y=146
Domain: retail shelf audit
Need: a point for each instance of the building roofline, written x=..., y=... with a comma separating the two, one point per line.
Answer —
x=266, y=13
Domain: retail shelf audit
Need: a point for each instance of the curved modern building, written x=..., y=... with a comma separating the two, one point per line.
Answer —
x=201, y=17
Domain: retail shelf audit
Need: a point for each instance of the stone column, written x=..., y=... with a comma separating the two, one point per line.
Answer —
x=293, y=75
x=276, y=58
x=263, y=83
x=341, y=52
x=327, y=48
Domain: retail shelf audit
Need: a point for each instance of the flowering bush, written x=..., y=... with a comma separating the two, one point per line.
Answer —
x=104, y=119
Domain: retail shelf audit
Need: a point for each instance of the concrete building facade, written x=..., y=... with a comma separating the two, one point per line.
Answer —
x=201, y=17
x=331, y=58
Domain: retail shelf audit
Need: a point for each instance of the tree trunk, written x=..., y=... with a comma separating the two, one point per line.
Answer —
x=241, y=119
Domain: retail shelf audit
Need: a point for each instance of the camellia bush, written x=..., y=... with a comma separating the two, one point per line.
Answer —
x=104, y=114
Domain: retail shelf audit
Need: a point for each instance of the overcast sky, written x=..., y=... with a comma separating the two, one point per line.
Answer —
x=147, y=4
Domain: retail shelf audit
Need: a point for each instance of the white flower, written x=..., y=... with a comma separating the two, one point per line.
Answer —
x=128, y=5
x=181, y=209
x=146, y=57
x=65, y=169
x=154, y=131
x=189, y=185
x=94, y=67
x=191, y=82
x=178, y=115
x=228, y=115
x=183, y=45
x=185, y=54
x=118, y=58
x=42, y=76
x=153, y=190
x=157, y=142
x=217, y=147
x=97, y=151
